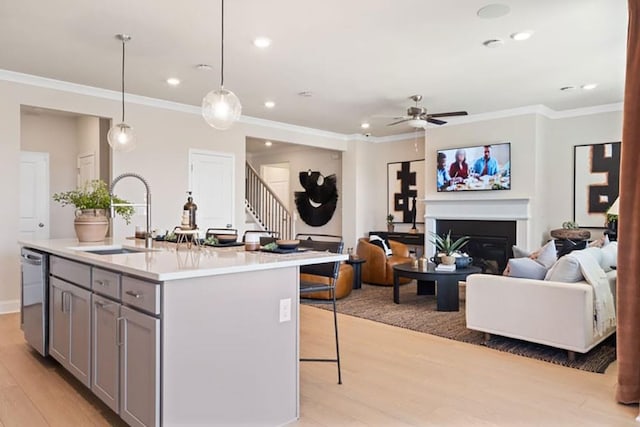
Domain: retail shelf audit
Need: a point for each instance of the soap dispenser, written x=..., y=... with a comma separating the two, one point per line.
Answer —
x=190, y=209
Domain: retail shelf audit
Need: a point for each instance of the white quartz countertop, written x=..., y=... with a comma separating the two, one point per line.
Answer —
x=167, y=261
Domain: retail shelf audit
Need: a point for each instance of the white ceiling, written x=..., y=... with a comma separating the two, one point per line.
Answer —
x=360, y=58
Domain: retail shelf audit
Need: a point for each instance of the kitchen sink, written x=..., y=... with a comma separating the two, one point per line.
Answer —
x=110, y=249
x=116, y=251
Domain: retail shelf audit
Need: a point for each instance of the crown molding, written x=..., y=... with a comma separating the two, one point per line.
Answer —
x=542, y=110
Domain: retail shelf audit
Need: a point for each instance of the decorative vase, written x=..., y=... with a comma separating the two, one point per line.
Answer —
x=91, y=225
x=390, y=227
x=448, y=259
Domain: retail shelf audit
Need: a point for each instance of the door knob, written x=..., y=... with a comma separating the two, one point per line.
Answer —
x=41, y=225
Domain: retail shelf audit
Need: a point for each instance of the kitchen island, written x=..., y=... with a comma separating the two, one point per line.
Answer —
x=174, y=336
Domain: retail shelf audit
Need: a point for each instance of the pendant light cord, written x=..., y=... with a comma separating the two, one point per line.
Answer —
x=123, y=43
x=222, y=48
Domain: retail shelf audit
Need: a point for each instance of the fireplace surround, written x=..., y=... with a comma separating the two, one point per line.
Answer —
x=478, y=217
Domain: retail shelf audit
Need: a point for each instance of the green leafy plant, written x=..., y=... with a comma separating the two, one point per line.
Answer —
x=446, y=245
x=94, y=195
x=390, y=218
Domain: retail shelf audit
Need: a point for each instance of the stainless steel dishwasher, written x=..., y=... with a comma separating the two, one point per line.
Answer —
x=34, y=309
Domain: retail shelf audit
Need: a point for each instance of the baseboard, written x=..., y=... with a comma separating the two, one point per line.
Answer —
x=9, y=306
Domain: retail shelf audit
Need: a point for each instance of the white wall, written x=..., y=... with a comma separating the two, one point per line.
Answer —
x=56, y=135
x=164, y=133
x=301, y=158
x=556, y=168
x=541, y=160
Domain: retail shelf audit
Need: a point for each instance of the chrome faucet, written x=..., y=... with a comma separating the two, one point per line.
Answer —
x=148, y=240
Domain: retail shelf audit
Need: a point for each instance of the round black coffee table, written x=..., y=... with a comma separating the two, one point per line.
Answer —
x=446, y=282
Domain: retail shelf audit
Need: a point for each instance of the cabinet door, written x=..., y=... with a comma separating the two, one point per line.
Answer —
x=79, y=361
x=105, y=374
x=140, y=369
x=58, y=320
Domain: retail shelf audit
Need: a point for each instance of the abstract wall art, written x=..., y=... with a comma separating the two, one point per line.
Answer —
x=596, y=182
x=406, y=182
x=317, y=204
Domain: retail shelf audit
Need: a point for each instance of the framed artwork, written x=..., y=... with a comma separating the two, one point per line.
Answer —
x=405, y=183
x=596, y=182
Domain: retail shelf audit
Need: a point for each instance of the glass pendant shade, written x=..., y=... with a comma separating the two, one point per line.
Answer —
x=121, y=138
x=221, y=108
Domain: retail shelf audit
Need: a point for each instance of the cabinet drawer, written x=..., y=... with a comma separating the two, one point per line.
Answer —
x=71, y=271
x=141, y=294
x=106, y=283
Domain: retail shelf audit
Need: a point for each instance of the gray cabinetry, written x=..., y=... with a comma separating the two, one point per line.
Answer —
x=140, y=369
x=105, y=376
x=70, y=327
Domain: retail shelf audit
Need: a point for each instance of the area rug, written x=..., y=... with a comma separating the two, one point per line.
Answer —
x=418, y=313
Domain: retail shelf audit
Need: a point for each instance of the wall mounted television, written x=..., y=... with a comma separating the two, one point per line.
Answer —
x=479, y=168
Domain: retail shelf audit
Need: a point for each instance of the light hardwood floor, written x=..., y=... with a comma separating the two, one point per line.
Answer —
x=392, y=377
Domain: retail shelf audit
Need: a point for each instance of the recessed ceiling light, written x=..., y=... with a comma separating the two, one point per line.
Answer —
x=262, y=42
x=269, y=104
x=306, y=93
x=589, y=86
x=268, y=143
x=495, y=10
x=567, y=88
x=204, y=67
x=493, y=43
x=521, y=35
x=365, y=125
x=173, y=81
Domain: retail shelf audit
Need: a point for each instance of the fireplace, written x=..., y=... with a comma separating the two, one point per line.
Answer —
x=490, y=244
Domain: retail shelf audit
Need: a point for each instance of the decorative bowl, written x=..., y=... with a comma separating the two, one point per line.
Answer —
x=287, y=244
x=227, y=238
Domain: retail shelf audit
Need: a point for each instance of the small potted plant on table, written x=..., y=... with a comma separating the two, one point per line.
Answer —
x=390, y=226
x=92, y=202
x=446, y=247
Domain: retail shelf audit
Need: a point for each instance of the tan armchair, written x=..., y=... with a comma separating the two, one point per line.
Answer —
x=378, y=269
x=344, y=283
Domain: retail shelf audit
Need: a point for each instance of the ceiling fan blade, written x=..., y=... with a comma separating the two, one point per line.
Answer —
x=398, y=122
x=450, y=114
x=435, y=121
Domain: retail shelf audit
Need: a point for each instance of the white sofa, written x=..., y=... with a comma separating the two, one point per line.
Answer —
x=556, y=314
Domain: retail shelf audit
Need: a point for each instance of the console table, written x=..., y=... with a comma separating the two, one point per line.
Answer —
x=408, y=239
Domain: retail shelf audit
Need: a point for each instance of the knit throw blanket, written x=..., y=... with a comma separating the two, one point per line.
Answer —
x=605, y=311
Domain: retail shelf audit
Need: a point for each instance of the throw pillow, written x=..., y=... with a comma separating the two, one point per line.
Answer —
x=609, y=256
x=566, y=269
x=598, y=255
x=569, y=246
x=520, y=253
x=548, y=255
x=526, y=268
x=382, y=243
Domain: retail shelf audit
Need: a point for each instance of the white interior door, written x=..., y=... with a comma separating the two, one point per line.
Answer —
x=86, y=168
x=211, y=179
x=34, y=195
x=277, y=177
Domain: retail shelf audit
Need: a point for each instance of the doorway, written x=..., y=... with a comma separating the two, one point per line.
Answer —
x=276, y=176
x=212, y=183
x=34, y=195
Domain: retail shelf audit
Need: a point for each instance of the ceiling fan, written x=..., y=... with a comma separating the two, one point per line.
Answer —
x=418, y=117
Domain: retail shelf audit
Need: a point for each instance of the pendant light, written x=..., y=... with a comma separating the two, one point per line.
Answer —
x=121, y=137
x=221, y=107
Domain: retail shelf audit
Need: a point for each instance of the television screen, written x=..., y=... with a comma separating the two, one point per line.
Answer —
x=485, y=167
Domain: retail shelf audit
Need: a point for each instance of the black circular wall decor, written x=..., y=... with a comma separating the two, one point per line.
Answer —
x=317, y=204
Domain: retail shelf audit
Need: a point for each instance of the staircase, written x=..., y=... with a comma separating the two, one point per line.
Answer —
x=264, y=207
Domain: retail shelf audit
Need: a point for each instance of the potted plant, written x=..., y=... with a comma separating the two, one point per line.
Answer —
x=447, y=247
x=92, y=202
x=390, y=226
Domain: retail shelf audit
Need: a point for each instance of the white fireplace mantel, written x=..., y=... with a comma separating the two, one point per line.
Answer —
x=482, y=209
